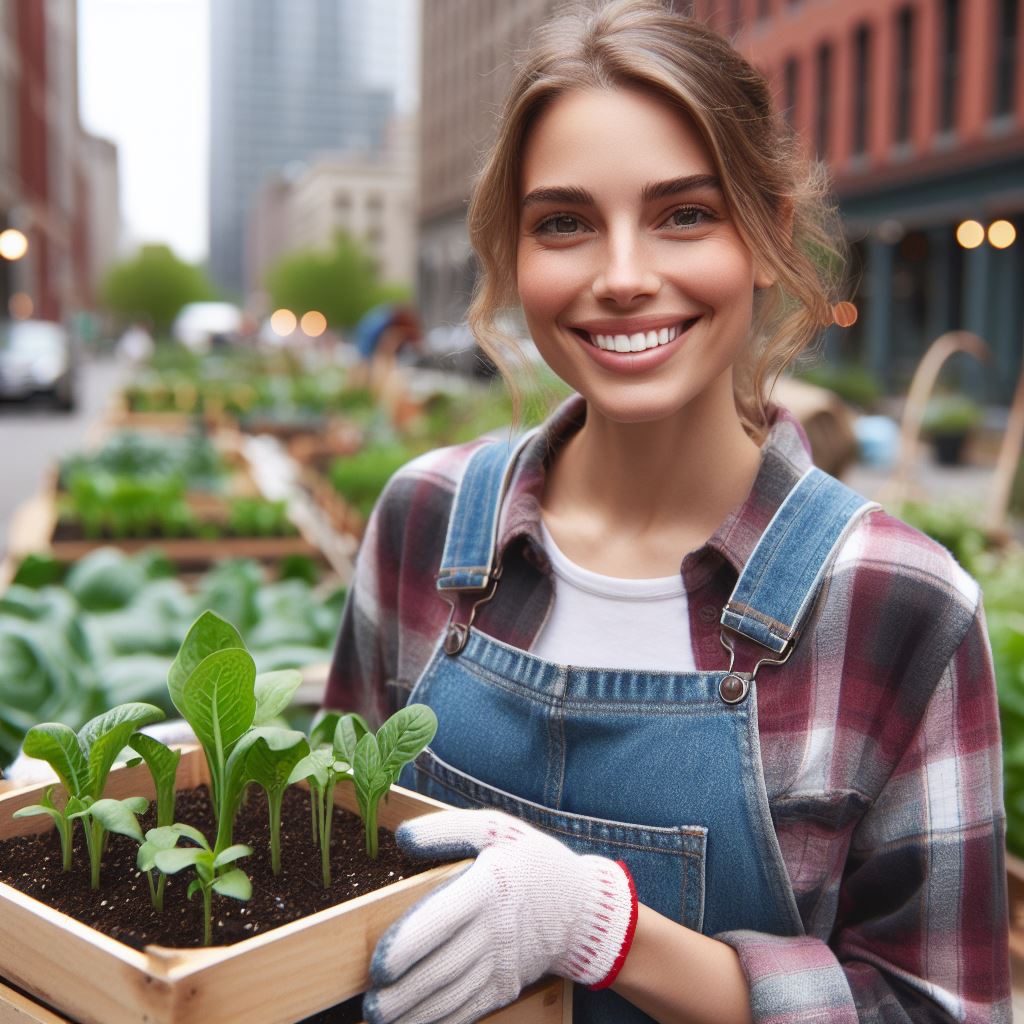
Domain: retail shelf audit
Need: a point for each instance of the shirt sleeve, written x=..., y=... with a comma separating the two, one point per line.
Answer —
x=921, y=931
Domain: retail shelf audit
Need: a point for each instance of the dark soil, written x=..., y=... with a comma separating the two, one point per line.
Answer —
x=121, y=907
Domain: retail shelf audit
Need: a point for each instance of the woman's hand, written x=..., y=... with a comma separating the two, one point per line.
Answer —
x=528, y=906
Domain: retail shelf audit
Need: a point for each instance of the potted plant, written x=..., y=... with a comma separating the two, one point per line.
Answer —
x=275, y=977
x=949, y=421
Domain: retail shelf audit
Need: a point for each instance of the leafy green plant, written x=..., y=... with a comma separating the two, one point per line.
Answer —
x=379, y=759
x=950, y=414
x=258, y=517
x=360, y=478
x=161, y=850
x=163, y=766
x=82, y=763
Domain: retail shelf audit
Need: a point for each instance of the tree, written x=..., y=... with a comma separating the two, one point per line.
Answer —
x=341, y=282
x=154, y=285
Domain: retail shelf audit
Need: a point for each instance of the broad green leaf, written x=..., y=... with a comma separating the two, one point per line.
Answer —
x=190, y=833
x=193, y=887
x=274, y=692
x=163, y=766
x=58, y=745
x=103, y=738
x=136, y=804
x=33, y=809
x=208, y=634
x=235, y=884
x=267, y=756
x=347, y=734
x=322, y=732
x=157, y=839
x=367, y=770
x=232, y=853
x=404, y=735
x=315, y=767
x=172, y=861
x=117, y=816
x=218, y=701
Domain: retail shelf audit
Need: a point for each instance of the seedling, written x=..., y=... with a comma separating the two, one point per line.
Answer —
x=82, y=763
x=378, y=760
x=161, y=850
x=163, y=766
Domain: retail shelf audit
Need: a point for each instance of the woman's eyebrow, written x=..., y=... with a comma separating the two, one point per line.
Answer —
x=689, y=183
x=651, y=192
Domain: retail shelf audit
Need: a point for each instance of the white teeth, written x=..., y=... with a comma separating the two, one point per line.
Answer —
x=639, y=342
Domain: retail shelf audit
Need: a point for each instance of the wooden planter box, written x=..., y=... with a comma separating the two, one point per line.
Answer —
x=279, y=977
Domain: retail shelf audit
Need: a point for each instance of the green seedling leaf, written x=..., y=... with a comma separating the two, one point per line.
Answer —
x=235, y=884
x=404, y=735
x=102, y=738
x=314, y=768
x=46, y=807
x=157, y=839
x=188, y=832
x=322, y=732
x=232, y=853
x=207, y=635
x=219, y=702
x=163, y=766
x=119, y=816
x=347, y=734
x=274, y=692
x=170, y=862
x=58, y=745
x=193, y=887
x=367, y=771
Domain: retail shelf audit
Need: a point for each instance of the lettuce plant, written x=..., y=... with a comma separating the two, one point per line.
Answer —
x=160, y=850
x=82, y=763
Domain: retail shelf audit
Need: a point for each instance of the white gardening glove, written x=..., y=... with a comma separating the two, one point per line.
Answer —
x=528, y=906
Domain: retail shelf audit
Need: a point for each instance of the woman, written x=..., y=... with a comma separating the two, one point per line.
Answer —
x=725, y=732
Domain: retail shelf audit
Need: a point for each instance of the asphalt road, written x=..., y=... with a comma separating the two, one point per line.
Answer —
x=33, y=435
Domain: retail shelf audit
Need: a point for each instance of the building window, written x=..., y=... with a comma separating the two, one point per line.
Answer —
x=904, y=73
x=861, y=85
x=1007, y=42
x=791, y=86
x=824, y=99
x=949, y=64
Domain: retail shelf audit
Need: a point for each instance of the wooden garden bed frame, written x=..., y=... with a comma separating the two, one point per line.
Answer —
x=78, y=974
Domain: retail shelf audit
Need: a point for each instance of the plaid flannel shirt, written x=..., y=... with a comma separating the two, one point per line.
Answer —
x=879, y=738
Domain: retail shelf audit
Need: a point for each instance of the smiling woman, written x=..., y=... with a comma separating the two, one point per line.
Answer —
x=721, y=733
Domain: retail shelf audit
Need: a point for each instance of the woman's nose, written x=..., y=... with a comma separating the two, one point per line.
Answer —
x=625, y=274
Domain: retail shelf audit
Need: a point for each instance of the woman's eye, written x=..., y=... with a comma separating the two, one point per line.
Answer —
x=560, y=224
x=687, y=217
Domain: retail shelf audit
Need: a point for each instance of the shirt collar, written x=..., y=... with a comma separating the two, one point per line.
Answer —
x=785, y=457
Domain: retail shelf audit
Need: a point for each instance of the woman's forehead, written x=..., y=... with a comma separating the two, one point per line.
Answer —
x=611, y=139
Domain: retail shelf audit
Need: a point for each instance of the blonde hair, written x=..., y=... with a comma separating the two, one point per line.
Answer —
x=778, y=200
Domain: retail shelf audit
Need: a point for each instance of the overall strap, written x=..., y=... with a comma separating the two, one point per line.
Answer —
x=780, y=581
x=469, y=566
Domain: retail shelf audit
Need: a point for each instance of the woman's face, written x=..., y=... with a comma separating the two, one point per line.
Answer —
x=626, y=242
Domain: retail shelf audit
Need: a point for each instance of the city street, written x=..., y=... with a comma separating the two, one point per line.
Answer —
x=33, y=435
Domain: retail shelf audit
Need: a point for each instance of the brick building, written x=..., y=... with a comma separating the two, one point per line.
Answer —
x=917, y=106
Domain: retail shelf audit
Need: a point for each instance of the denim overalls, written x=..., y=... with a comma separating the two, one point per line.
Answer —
x=657, y=769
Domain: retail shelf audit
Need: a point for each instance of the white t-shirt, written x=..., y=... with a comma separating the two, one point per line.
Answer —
x=601, y=621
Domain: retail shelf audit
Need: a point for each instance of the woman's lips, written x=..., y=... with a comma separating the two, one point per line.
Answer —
x=636, y=360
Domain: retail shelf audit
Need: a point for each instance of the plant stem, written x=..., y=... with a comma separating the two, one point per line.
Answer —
x=65, y=827
x=274, y=803
x=326, y=815
x=313, y=798
x=207, y=915
x=371, y=829
x=95, y=844
x=160, y=887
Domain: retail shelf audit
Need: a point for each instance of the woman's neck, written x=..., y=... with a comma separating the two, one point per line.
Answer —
x=637, y=497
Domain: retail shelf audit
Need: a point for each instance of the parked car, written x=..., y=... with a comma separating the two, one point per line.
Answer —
x=37, y=357
x=202, y=324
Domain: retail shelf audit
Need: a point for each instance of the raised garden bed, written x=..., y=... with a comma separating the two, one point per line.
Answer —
x=281, y=976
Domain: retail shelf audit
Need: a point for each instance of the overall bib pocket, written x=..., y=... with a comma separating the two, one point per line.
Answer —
x=667, y=864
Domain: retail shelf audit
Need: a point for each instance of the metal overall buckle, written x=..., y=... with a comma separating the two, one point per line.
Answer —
x=457, y=634
x=733, y=689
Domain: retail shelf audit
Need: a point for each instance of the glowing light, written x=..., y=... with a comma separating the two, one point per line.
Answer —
x=970, y=234
x=282, y=322
x=313, y=323
x=13, y=244
x=845, y=314
x=20, y=305
x=1002, y=234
